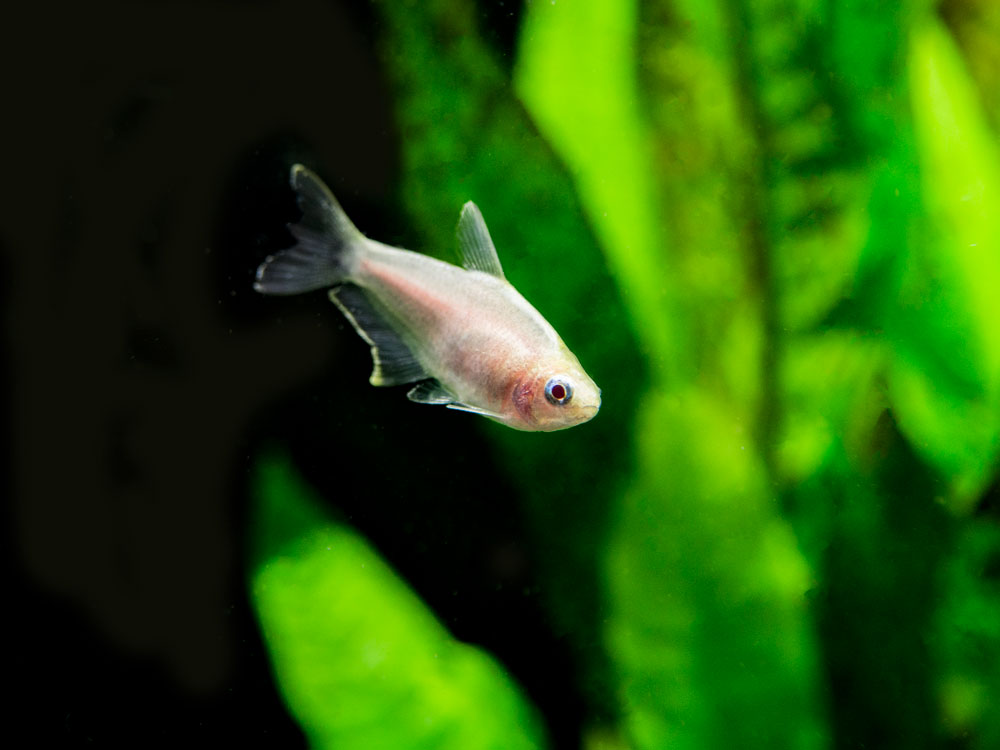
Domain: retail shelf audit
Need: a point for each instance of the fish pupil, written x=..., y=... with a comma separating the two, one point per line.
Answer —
x=558, y=392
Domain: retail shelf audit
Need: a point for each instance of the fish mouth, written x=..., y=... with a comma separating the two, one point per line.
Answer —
x=592, y=409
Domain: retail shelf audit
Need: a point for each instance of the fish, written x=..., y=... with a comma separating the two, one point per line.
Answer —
x=463, y=336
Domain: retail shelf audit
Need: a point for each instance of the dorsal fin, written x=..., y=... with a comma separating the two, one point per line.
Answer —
x=474, y=243
x=393, y=362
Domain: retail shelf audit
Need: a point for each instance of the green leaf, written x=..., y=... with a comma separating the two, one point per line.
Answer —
x=947, y=379
x=708, y=588
x=360, y=660
x=575, y=74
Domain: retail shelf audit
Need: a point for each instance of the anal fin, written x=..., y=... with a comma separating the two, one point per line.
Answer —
x=393, y=361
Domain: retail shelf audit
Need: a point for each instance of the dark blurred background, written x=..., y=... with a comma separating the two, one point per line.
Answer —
x=146, y=152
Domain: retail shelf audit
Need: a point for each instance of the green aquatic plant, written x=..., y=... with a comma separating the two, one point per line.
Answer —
x=782, y=515
x=352, y=646
x=705, y=582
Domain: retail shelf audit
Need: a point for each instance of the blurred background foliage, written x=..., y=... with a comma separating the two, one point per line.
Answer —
x=771, y=232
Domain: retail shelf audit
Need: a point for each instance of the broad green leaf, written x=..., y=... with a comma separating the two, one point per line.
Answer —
x=709, y=630
x=975, y=25
x=360, y=660
x=831, y=393
x=954, y=419
x=575, y=73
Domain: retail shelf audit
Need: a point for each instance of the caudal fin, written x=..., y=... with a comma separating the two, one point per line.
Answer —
x=326, y=248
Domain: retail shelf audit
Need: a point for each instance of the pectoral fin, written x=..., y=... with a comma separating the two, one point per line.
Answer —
x=474, y=410
x=430, y=392
x=394, y=363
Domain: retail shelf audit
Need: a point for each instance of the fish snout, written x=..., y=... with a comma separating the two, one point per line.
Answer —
x=589, y=410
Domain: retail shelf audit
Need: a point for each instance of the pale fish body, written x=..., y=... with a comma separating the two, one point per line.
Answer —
x=465, y=336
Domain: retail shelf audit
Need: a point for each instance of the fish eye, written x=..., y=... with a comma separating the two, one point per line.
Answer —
x=558, y=391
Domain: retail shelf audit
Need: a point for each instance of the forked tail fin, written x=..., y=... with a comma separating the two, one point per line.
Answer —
x=327, y=243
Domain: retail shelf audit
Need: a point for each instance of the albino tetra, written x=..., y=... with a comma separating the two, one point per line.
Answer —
x=465, y=336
